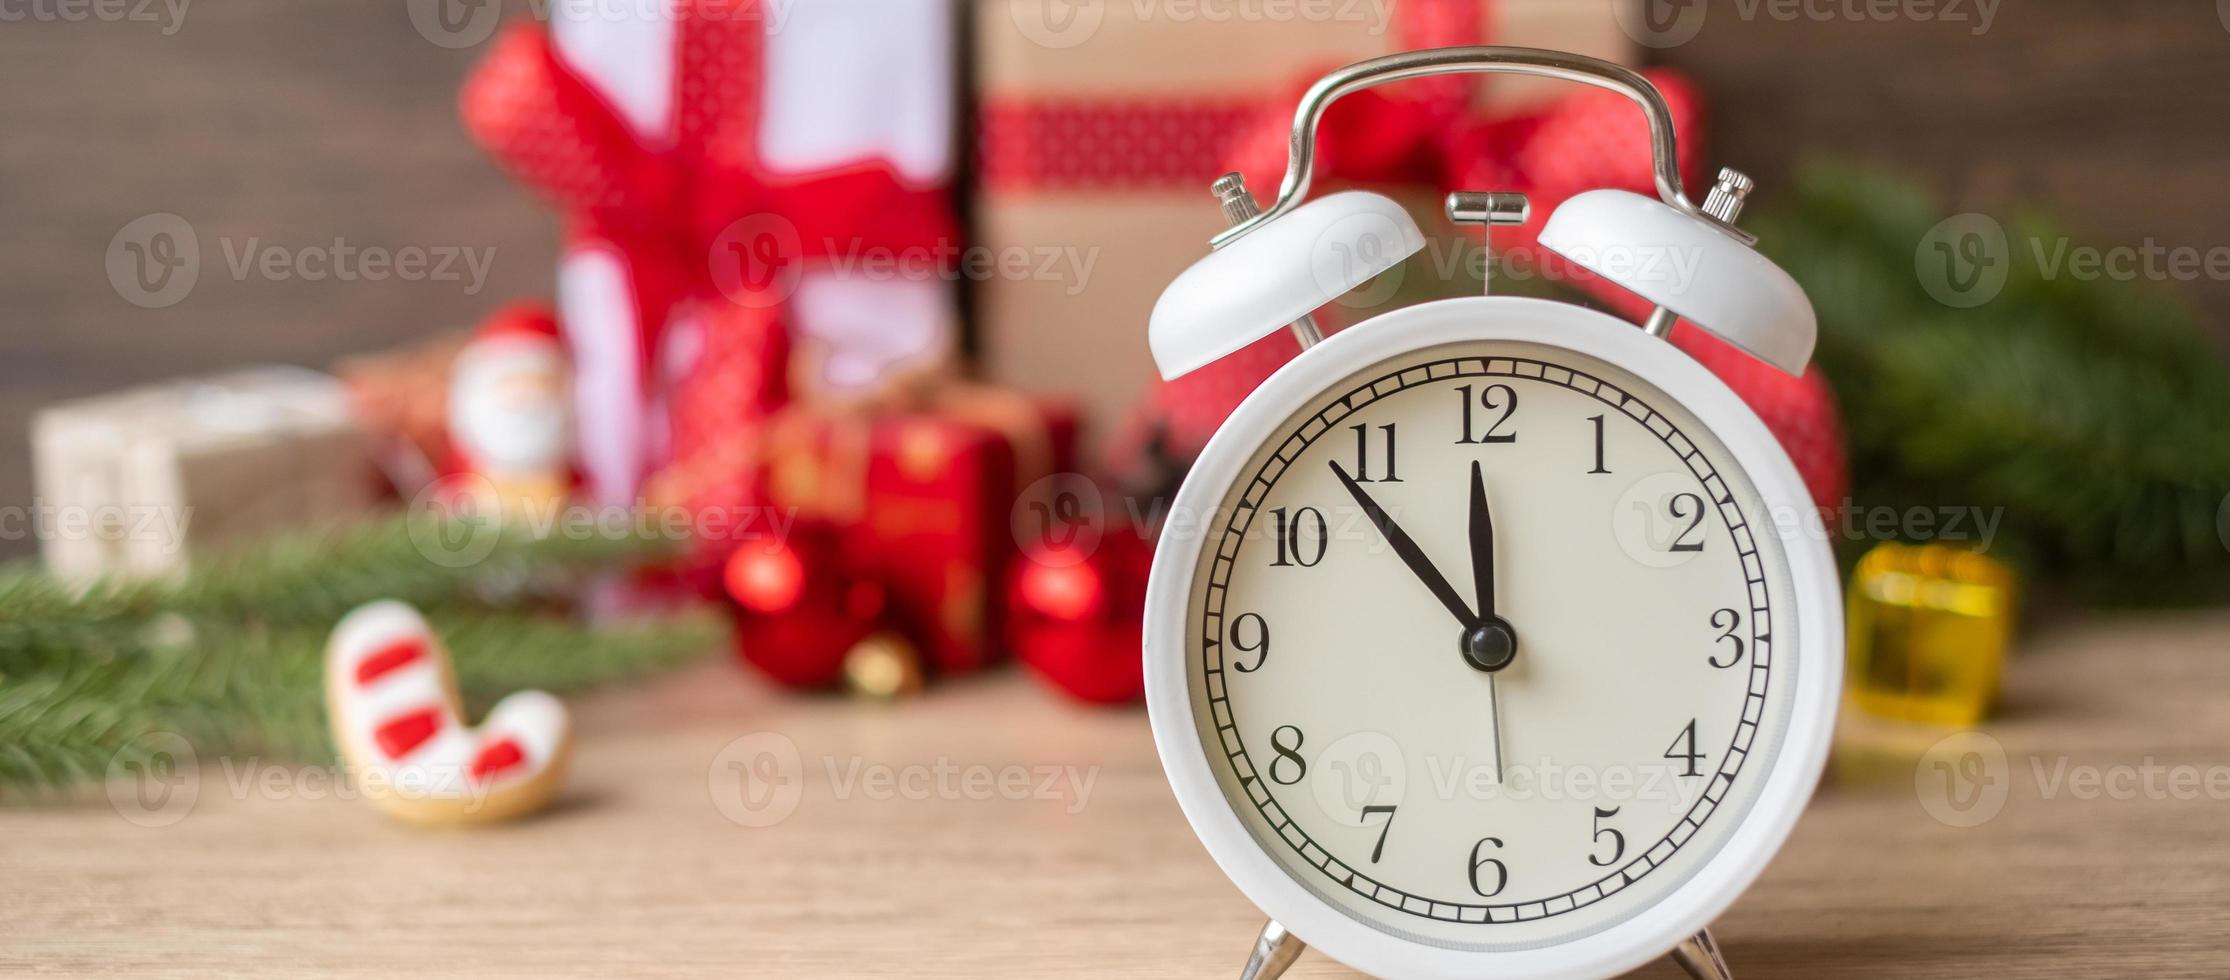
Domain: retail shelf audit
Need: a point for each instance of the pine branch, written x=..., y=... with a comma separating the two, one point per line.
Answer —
x=231, y=655
x=2091, y=411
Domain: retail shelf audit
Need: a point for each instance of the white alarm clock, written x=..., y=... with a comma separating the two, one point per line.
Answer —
x=1492, y=637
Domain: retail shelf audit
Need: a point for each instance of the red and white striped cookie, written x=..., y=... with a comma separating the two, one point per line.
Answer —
x=392, y=697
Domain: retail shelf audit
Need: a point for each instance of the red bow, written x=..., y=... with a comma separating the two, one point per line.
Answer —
x=679, y=226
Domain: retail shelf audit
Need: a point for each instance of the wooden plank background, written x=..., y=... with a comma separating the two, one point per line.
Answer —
x=296, y=122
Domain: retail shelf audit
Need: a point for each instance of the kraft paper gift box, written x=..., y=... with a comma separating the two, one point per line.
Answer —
x=1102, y=124
x=137, y=483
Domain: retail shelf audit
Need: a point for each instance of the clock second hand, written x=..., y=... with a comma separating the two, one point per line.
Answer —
x=1489, y=644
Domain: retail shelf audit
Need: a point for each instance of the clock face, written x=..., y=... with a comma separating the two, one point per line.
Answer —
x=1482, y=645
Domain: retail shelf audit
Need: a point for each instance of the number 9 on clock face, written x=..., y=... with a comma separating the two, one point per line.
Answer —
x=1483, y=644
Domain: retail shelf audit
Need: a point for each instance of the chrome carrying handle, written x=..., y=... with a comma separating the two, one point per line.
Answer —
x=1476, y=59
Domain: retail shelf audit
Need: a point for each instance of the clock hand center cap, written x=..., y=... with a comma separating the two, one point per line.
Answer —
x=1490, y=646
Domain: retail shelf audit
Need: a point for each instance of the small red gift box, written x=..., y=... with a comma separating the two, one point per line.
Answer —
x=922, y=494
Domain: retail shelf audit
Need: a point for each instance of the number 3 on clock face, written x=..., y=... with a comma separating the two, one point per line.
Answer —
x=1483, y=646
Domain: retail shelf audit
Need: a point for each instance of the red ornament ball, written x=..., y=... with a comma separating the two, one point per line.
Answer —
x=1074, y=617
x=796, y=610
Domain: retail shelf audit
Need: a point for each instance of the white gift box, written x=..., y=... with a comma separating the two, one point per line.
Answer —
x=139, y=482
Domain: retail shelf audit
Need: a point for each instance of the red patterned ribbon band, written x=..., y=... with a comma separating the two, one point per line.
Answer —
x=1091, y=144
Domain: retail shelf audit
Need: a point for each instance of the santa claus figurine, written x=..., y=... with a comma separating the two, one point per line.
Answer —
x=511, y=415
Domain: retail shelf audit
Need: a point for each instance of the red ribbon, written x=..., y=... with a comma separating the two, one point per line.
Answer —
x=662, y=206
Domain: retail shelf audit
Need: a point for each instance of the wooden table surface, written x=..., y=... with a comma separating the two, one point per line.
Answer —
x=639, y=872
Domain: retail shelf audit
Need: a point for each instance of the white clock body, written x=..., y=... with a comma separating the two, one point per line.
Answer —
x=1678, y=631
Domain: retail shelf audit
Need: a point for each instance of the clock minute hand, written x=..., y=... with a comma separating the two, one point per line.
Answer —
x=1407, y=549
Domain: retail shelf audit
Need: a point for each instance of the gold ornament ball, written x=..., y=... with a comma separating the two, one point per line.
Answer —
x=884, y=667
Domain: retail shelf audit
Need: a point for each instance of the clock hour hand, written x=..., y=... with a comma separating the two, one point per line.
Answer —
x=1407, y=549
x=1482, y=543
x=1490, y=644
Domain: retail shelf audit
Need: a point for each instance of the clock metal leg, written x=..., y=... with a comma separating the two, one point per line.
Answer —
x=1274, y=950
x=1699, y=955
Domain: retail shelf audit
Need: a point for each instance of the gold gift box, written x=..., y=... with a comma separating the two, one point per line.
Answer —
x=1930, y=627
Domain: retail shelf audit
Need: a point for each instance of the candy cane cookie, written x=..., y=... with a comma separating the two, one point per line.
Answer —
x=391, y=694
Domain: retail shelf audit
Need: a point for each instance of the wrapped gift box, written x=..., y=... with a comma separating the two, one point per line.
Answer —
x=1101, y=126
x=138, y=482
x=923, y=499
x=401, y=399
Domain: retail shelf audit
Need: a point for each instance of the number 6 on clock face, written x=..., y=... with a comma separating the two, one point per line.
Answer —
x=1546, y=632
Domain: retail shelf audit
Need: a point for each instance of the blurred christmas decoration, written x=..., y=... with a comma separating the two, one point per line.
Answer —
x=798, y=609
x=883, y=667
x=903, y=510
x=391, y=692
x=757, y=289
x=142, y=481
x=400, y=399
x=229, y=654
x=723, y=186
x=510, y=412
x=2088, y=412
x=1076, y=620
x=1929, y=630
x=1086, y=144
